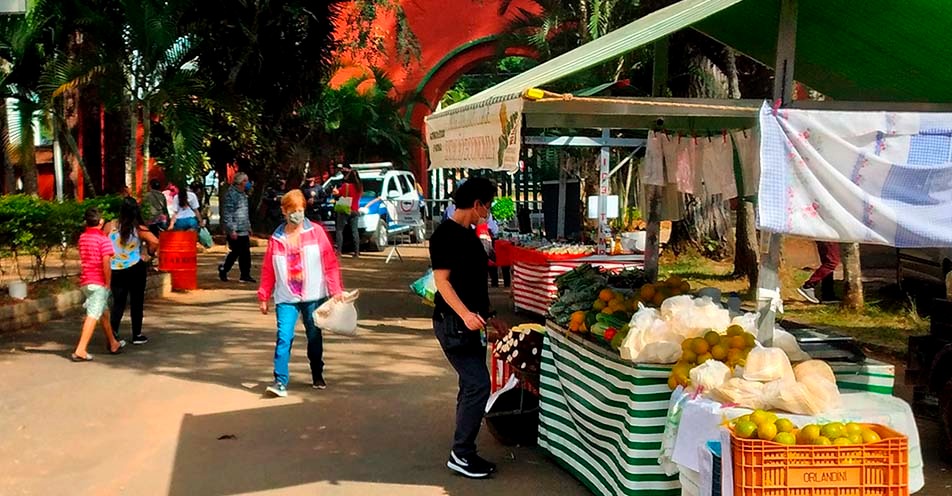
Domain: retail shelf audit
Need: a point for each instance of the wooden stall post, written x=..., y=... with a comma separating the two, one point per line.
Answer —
x=768, y=284
x=653, y=193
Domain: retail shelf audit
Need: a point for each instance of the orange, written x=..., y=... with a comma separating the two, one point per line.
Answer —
x=658, y=299
x=685, y=287
x=703, y=358
x=719, y=352
x=700, y=346
x=737, y=342
x=672, y=383
x=733, y=355
x=599, y=305
x=767, y=431
x=870, y=436
x=688, y=356
x=647, y=292
x=673, y=282
x=749, y=340
x=686, y=344
x=712, y=337
x=809, y=434
x=606, y=295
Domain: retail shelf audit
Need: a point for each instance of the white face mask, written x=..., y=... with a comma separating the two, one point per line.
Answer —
x=296, y=217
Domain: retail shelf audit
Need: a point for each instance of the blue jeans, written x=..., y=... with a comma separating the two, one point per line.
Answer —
x=187, y=224
x=287, y=315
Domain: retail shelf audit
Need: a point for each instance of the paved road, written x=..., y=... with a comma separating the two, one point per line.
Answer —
x=148, y=422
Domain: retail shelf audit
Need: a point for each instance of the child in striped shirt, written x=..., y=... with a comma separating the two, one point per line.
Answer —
x=95, y=254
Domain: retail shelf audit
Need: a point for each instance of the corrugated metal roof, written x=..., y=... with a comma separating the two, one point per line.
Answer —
x=625, y=39
x=874, y=50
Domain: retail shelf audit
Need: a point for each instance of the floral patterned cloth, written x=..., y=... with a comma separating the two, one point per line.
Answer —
x=127, y=253
x=295, y=270
x=869, y=177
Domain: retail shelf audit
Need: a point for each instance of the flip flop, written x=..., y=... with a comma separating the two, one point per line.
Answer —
x=122, y=344
x=76, y=358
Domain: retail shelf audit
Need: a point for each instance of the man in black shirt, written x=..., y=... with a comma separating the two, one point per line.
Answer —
x=460, y=269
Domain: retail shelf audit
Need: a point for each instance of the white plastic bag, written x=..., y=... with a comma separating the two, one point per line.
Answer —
x=338, y=317
x=649, y=340
x=812, y=370
x=788, y=343
x=741, y=392
x=768, y=365
x=710, y=375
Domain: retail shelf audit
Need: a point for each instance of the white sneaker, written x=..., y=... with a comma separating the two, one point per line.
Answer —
x=808, y=294
x=278, y=389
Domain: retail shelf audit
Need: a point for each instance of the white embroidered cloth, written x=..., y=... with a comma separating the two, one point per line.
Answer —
x=870, y=177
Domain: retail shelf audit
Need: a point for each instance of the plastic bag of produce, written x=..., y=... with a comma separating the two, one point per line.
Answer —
x=788, y=343
x=741, y=392
x=710, y=375
x=747, y=321
x=812, y=370
x=768, y=365
x=691, y=318
x=820, y=382
x=649, y=339
x=339, y=317
x=813, y=398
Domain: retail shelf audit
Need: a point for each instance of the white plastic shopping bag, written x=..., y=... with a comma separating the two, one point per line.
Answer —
x=339, y=317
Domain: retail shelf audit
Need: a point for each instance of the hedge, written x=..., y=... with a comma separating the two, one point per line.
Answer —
x=35, y=227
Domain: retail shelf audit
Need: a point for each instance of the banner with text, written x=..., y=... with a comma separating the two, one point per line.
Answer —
x=485, y=136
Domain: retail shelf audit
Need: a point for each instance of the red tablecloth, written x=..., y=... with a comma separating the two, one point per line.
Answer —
x=533, y=284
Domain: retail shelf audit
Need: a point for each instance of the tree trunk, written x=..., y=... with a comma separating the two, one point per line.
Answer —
x=9, y=174
x=746, y=253
x=133, y=146
x=853, y=275
x=146, y=150
x=27, y=149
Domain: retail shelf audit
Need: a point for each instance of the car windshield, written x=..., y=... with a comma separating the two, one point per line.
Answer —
x=372, y=186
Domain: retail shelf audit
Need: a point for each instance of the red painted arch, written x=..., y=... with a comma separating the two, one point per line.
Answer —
x=454, y=37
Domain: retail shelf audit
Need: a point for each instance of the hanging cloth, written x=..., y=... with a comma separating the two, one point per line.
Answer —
x=652, y=170
x=748, y=150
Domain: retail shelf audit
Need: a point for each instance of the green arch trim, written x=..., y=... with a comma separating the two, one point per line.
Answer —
x=439, y=65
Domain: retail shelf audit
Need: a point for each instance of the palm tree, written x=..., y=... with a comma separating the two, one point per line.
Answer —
x=22, y=55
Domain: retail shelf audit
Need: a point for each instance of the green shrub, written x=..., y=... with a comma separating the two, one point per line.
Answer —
x=36, y=227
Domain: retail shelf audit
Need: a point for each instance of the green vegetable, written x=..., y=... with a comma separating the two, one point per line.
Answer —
x=503, y=209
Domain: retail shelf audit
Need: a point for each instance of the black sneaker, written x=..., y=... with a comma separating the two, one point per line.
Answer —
x=140, y=339
x=248, y=279
x=319, y=383
x=471, y=466
x=222, y=274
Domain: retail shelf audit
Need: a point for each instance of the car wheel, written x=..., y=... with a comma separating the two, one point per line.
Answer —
x=379, y=239
x=418, y=234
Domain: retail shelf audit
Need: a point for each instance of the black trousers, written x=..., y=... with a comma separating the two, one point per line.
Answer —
x=474, y=386
x=128, y=284
x=239, y=249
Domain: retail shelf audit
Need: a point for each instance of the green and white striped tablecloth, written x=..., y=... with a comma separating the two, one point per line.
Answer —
x=603, y=418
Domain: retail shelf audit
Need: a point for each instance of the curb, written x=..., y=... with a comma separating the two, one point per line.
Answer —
x=32, y=312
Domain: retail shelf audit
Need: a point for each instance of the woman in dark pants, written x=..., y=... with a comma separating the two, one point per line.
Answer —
x=129, y=267
x=462, y=311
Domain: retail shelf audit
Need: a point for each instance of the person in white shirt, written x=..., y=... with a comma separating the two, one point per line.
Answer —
x=186, y=215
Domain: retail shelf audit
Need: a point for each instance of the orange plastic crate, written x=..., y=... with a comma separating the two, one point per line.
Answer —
x=764, y=468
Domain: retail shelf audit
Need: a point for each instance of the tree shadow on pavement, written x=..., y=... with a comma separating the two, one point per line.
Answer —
x=367, y=445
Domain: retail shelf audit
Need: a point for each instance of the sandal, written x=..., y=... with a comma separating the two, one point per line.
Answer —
x=76, y=358
x=122, y=344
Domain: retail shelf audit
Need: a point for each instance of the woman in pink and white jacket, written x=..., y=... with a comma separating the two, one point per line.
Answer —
x=301, y=272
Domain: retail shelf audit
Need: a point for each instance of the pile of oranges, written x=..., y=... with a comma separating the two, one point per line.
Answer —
x=655, y=294
x=731, y=349
x=766, y=426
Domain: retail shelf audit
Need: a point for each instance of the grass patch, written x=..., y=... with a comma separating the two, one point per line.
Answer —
x=886, y=323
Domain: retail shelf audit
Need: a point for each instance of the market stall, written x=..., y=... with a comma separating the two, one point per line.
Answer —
x=604, y=418
x=606, y=409
x=534, y=273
